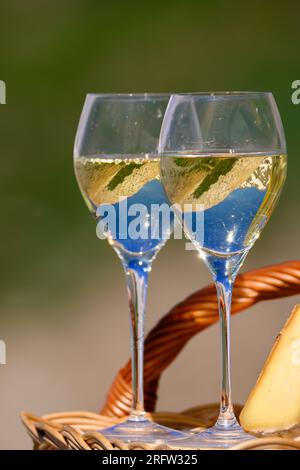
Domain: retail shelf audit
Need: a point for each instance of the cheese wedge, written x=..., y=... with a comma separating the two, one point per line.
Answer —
x=274, y=403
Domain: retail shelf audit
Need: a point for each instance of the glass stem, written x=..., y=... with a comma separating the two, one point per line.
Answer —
x=224, y=293
x=137, y=272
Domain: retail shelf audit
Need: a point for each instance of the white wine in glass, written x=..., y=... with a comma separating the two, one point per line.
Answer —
x=236, y=193
x=105, y=181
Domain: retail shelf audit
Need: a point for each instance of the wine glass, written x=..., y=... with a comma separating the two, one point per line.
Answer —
x=117, y=169
x=223, y=158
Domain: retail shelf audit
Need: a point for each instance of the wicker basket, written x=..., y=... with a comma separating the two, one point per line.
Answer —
x=77, y=430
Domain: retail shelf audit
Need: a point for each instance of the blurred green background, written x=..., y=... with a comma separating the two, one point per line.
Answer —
x=63, y=302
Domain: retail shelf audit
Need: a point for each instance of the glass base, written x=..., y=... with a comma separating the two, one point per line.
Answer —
x=216, y=437
x=142, y=431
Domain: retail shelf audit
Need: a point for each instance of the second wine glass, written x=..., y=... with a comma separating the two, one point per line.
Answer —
x=223, y=161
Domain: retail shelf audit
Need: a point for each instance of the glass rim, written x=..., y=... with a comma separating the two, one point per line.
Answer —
x=128, y=95
x=224, y=94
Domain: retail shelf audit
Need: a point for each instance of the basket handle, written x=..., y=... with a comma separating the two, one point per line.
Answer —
x=195, y=313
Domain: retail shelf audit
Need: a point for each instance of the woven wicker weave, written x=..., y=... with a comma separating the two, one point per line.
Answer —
x=77, y=430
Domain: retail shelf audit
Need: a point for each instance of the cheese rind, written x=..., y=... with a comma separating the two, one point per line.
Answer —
x=274, y=403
